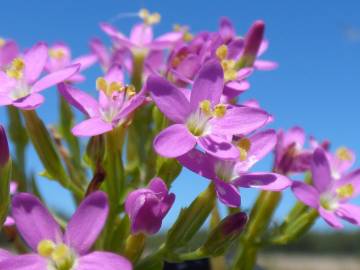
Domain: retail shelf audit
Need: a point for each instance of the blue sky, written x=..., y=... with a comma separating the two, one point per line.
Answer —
x=317, y=44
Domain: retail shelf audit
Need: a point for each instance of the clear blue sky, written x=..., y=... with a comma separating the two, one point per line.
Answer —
x=317, y=44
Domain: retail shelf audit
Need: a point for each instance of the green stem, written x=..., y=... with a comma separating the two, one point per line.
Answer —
x=137, y=72
x=260, y=218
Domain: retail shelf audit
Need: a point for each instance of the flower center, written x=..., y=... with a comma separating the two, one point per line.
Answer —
x=344, y=154
x=224, y=170
x=228, y=65
x=16, y=71
x=117, y=95
x=57, y=54
x=345, y=191
x=198, y=122
x=149, y=18
x=329, y=201
x=60, y=256
x=244, y=146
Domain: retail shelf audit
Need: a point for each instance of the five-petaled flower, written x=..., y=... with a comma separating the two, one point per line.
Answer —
x=328, y=195
x=19, y=83
x=55, y=250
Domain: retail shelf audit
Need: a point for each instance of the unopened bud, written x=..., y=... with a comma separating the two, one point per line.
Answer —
x=224, y=234
x=95, y=150
x=4, y=147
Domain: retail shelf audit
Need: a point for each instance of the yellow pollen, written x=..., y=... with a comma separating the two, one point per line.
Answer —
x=149, y=18
x=45, y=248
x=345, y=191
x=222, y=52
x=220, y=110
x=130, y=90
x=205, y=106
x=101, y=84
x=60, y=253
x=2, y=42
x=115, y=87
x=57, y=54
x=244, y=146
x=16, y=69
x=230, y=73
x=343, y=154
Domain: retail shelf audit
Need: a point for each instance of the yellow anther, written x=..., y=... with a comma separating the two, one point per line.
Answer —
x=149, y=18
x=45, y=248
x=101, y=84
x=115, y=87
x=57, y=54
x=16, y=69
x=220, y=110
x=344, y=154
x=2, y=42
x=130, y=90
x=60, y=253
x=345, y=191
x=222, y=52
x=205, y=107
x=244, y=146
x=230, y=73
x=188, y=36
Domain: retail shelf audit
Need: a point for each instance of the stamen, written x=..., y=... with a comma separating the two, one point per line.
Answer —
x=45, y=248
x=149, y=18
x=205, y=107
x=57, y=54
x=220, y=110
x=222, y=52
x=130, y=90
x=101, y=84
x=115, y=87
x=244, y=146
x=60, y=253
x=344, y=154
x=16, y=69
x=345, y=191
x=230, y=73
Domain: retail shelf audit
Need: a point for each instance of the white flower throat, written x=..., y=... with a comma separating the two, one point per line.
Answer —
x=16, y=71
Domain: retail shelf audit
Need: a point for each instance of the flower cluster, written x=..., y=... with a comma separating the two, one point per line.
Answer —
x=163, y=104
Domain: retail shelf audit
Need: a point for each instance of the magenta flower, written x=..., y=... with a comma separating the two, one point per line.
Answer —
x=290, y=155
x=60, y=57
x=228, y=175
x=201, y=120
x=8, y=51
x=54, y=250
x=328, y=195
x=116, y=103
x=4, y=147
x=147, y=207
x=19, y=84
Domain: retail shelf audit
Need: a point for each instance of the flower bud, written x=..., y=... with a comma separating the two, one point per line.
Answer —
x=252, y=44
x=95, y=150
x=224, y=234
x=4, y=147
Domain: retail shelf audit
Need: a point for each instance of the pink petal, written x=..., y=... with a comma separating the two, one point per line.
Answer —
x=85, y=61
x=166, y=41
x=219, y=147
x=54, y=78
x=227, y=194
x=115, y=74
x=141, y=34
x=103, y=261
x=170, y=100
x=8, y=52
x=92, y=127
x=208, y=85
x=5, y=100
x=24, y=262
x=33, y=220
x=350, y=213
x=79, y=99
x=263, y=181
x=87, y=222
x=240, y=120
x=35, y=61
x=115, y=35
x=330, y=218
x=306, y=194
x=174, y=141
x=265, y=65
x=4, y=254
x=31, y=102
x=320, y=169
x=352, y=178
